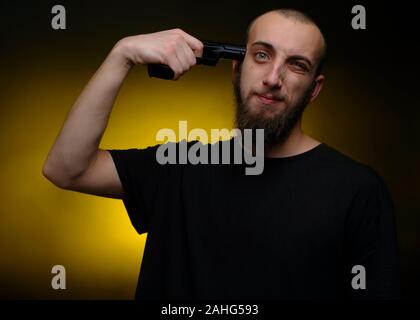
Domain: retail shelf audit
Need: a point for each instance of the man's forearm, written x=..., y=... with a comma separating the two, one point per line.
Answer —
x=78, y=141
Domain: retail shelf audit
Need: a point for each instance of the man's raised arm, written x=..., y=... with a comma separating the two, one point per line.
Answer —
x=75, y=161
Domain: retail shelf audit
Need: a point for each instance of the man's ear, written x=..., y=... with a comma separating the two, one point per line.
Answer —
x=317, y=86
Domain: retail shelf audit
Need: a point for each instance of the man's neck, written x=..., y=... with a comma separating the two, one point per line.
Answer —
x=295, y=144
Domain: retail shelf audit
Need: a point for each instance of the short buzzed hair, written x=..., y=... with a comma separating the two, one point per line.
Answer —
x=301, y=17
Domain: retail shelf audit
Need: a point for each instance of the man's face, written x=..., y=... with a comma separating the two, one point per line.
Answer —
x=277, y=77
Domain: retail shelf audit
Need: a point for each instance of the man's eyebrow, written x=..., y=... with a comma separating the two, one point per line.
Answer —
x=271, y=47
x=264, y=44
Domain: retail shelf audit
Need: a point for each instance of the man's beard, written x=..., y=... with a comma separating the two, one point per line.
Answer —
x=277, y=128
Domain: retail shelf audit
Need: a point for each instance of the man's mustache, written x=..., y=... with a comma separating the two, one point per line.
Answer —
x=271, y=95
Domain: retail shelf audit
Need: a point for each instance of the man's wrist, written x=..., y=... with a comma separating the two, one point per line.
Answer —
x=120, y=53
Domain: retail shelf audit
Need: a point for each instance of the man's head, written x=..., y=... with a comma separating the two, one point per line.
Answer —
x=280, y=75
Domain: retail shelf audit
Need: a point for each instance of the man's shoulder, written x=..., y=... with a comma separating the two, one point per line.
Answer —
x=347, y=168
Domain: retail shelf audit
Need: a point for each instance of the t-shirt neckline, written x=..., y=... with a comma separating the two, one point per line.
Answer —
x=301, y=155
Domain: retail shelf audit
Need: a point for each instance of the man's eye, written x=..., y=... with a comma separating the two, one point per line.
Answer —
x=300, y=65
x=261, y=55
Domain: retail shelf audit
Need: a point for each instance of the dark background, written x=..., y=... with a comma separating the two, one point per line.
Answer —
x=368, y=108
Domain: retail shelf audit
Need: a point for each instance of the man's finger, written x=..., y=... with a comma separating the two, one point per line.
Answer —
x=193, y=42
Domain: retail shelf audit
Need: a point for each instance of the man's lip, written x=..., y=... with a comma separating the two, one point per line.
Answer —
x=267, y=99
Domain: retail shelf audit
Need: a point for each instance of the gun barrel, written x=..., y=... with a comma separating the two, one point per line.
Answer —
x=217, y=50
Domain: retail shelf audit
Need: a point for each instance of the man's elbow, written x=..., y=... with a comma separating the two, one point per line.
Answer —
x=57, y=178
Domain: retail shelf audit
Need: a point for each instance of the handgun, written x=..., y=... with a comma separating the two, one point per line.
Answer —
x=212, y=52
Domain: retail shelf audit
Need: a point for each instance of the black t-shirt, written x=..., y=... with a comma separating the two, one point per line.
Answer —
x=293, y=232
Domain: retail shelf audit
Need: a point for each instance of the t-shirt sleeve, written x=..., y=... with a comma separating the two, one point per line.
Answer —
x=372, y=242
x=140, y=175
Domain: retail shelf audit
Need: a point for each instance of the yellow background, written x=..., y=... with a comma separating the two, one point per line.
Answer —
x=360, y=112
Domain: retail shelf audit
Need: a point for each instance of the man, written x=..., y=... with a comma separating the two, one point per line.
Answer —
x=314, y=224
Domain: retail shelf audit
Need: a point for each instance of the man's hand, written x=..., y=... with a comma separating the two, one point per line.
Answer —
x=175, y=48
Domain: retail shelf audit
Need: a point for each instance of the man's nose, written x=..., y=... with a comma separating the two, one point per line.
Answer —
x=275, y=76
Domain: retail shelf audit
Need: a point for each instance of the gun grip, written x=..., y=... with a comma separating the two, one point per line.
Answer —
x=161, y=71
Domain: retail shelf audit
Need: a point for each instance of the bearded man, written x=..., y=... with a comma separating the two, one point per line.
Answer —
x=315, y=224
